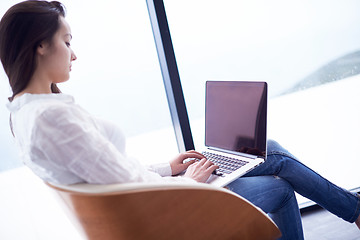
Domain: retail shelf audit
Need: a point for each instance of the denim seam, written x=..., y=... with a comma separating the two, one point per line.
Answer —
x=274, y=152
x=357, y=211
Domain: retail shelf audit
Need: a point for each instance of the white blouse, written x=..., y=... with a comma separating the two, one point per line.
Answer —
x=62, y=143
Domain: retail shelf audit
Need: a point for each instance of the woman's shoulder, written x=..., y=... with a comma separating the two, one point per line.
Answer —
x=39, y=102
x=45, y=107
x=29, y=113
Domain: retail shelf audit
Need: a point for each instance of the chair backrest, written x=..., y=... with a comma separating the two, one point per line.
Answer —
x=164, y=211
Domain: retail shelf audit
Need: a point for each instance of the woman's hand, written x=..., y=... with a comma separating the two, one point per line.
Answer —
x=177, y=165
x=200, y=171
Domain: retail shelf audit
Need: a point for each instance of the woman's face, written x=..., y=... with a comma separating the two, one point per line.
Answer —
x=57, y=56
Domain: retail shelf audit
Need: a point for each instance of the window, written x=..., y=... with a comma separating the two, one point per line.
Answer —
x=307, y=51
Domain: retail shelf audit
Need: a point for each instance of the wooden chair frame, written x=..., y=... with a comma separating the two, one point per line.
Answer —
x=164, y=211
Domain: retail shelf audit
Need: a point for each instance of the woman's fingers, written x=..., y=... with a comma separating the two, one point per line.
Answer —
x=188, y=163
x=207, y=165
x=193, y=154
x=201, y=170
x=184, y=160
x=212, y=168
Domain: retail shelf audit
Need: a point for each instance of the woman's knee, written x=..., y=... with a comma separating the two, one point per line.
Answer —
x=284, y=193
x=267, y=192
x=272, y=145
x=274, y=148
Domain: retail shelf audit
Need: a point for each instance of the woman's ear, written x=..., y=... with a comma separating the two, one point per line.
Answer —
x=42, y=48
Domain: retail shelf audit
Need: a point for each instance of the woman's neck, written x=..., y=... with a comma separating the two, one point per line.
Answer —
x=36, y=87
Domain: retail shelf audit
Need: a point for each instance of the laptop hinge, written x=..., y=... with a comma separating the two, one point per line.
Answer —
x=233, y=152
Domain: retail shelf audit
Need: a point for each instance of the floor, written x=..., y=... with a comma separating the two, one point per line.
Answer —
x=319, y=224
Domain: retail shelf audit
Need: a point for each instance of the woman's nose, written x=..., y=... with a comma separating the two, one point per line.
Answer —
x=73, y=56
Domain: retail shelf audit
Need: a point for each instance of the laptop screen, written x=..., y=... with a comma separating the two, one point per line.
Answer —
x=236, y=115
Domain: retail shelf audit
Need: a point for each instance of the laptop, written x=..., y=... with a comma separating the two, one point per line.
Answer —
x=235, y=128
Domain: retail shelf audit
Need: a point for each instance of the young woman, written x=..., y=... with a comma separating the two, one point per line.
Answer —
x=62, y=143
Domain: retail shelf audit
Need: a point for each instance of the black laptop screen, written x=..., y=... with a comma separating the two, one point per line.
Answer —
x=235, y=116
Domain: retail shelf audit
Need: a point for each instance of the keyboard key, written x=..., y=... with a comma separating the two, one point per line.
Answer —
x=226, y=164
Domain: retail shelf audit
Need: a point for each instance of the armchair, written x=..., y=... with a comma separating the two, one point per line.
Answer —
x=164, y=211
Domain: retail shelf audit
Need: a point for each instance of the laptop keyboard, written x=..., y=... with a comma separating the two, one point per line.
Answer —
x=226, y=165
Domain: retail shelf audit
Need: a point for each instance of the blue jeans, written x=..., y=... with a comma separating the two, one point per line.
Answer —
x=271, y=187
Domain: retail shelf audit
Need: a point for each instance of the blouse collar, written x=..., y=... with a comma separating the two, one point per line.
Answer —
x=26, y=98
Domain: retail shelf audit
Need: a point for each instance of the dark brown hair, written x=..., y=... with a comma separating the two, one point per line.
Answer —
x=22, y=29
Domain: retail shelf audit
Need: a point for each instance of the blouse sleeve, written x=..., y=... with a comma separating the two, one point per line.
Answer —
x=69, y=139
x=163, y=169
